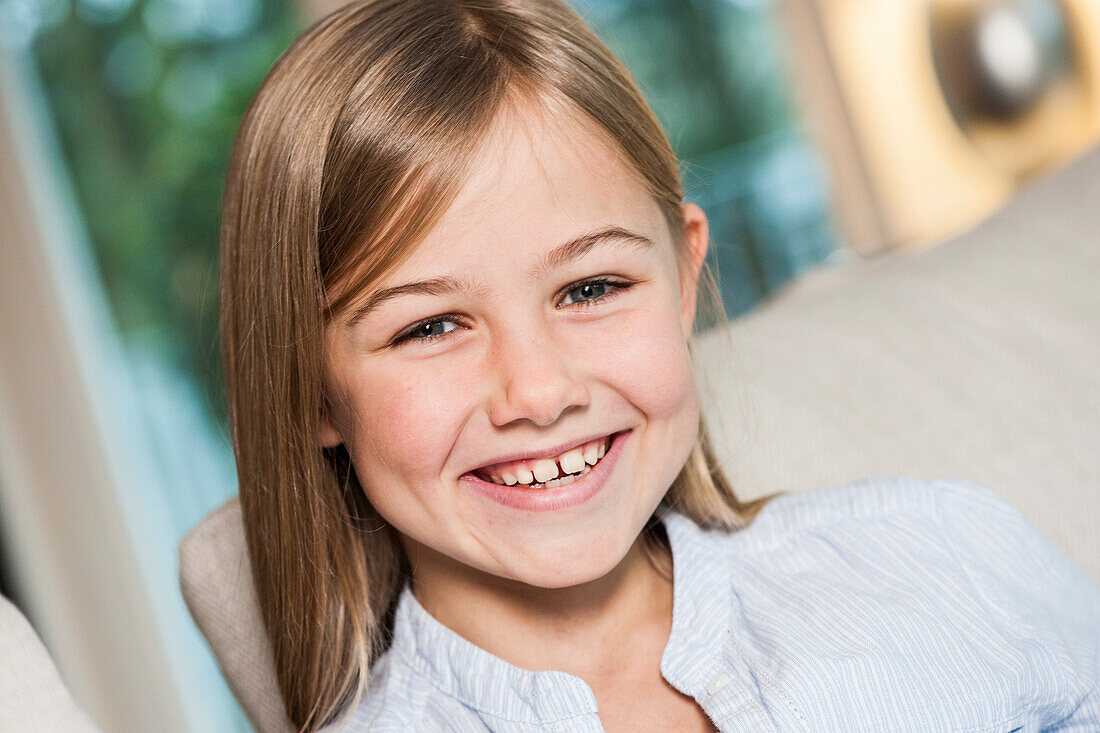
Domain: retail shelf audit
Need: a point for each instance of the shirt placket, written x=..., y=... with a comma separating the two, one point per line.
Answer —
x=731, y=698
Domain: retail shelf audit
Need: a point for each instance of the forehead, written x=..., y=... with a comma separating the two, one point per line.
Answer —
x=541, y=177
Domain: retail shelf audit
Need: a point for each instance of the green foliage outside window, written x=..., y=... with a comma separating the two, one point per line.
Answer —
x=147, y=97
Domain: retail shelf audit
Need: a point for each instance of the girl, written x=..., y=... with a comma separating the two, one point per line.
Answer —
x=458, y=286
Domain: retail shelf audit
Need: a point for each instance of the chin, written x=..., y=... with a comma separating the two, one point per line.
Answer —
x=571, y=562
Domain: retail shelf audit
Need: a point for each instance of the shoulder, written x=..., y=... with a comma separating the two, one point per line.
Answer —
x=868, y=499
x=965, y=526
x=865, y=498
x=864, y=512
x=953, y=510
x=1020, y=572
x=909, y=554
x=934, y=604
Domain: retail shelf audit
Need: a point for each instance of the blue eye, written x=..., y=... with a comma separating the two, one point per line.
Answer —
x=428, y=330
x=433, y=328
x=587, y=291
x=592, y=291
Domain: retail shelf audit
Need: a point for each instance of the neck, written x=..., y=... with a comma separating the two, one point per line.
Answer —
x=582, y=629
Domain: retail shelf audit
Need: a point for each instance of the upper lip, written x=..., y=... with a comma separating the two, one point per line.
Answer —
x=533, y=455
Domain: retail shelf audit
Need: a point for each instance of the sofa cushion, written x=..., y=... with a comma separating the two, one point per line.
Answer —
x=32, y=695
x=978, y=359
x=216, y=581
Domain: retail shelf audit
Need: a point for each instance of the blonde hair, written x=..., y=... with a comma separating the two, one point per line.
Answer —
x=352, y=148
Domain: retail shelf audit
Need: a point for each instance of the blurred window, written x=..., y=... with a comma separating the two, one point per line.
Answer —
x=146, y=96
x=713, y=71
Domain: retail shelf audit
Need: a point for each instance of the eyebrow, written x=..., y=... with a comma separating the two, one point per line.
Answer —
x=434, y=286
x=562, y=254
x=579, y=246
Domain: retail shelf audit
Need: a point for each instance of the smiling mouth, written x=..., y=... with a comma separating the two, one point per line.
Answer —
x=550, y=472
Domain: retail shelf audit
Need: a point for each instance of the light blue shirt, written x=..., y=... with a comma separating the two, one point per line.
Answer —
x=884, y=605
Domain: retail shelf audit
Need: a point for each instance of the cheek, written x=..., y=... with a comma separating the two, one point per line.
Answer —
x=403, y=424
x=646, y=359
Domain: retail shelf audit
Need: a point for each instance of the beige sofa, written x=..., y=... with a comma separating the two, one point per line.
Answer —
x=978, y=359
x=33, y=698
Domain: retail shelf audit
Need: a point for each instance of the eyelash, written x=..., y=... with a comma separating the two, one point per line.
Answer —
x=615, y=287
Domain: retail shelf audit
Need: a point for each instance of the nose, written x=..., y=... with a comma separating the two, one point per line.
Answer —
x=537, y=381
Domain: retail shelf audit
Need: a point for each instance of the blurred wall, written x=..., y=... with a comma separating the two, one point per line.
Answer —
x=933, y=112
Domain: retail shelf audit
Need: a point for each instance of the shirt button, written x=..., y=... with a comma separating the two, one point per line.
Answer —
x=719, y=681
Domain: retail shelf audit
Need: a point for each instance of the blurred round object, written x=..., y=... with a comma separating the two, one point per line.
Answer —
x=996, y=59
x=933, y=112
x=1008, y=59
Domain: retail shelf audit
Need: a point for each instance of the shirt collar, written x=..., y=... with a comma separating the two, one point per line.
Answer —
x=700, y=620
x=703, y=602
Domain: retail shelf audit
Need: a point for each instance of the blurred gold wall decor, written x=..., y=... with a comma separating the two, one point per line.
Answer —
x=932, y=112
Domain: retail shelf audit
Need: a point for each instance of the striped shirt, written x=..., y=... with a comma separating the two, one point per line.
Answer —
x=883, y=605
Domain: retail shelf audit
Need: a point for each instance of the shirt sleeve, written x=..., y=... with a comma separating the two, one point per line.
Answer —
x=1022, y=576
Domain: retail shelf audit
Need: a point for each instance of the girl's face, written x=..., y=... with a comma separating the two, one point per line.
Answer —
x=540, y=328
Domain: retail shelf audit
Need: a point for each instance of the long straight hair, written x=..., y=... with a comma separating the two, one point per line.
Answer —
x=354, y=145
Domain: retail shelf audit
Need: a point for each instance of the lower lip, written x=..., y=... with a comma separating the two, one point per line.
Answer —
x=549, y=500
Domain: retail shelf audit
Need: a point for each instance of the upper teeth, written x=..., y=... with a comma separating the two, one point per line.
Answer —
x=545, y=469
x=571, y=463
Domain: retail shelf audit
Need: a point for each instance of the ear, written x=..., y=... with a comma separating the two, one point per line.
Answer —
x=696, y=237
x=328, y=436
